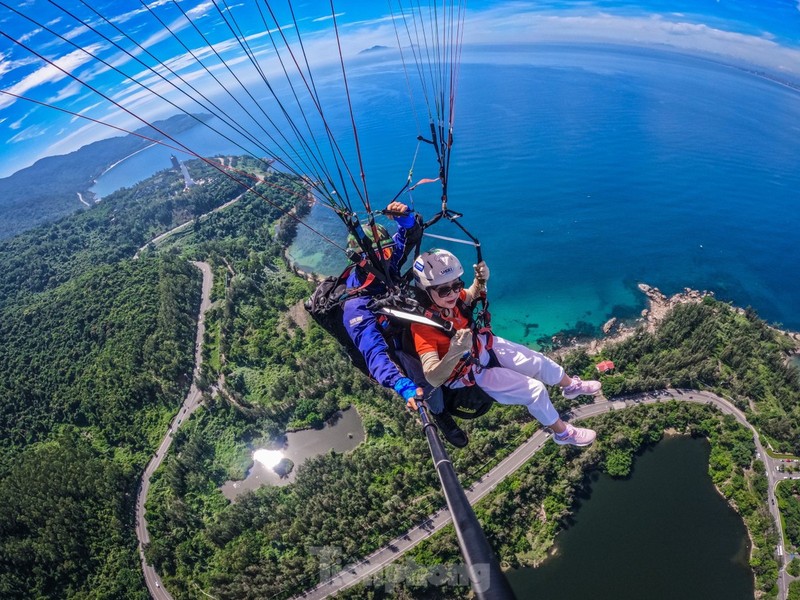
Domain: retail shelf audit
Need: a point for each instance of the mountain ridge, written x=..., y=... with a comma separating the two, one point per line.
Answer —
x=47, y=190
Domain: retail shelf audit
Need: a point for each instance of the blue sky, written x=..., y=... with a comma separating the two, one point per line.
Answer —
x=760, y=33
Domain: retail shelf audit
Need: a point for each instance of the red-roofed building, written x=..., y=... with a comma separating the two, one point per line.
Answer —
x=605, y=366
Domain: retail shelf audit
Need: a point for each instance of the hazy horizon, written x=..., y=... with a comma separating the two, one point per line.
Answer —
x=744, y=34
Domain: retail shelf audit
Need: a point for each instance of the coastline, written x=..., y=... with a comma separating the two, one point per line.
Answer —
x=658, y=306
x=614, y=330
x=296, y=212
x=122, y=160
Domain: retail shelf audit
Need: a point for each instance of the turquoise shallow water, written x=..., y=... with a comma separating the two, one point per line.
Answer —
x=584, y=171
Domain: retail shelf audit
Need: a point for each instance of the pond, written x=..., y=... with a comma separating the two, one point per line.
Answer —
x=341, y=433
x=664, y=533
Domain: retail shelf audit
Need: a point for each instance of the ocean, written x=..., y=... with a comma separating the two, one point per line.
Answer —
x=584, y=171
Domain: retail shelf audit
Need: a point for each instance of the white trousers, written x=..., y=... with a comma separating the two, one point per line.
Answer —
x=520, y=378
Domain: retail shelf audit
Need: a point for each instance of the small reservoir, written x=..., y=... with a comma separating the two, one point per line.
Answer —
x=665, y=533
x=342, y=433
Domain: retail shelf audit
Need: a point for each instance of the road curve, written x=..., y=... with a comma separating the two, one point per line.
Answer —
x=337, y=577
x=190, y=404
x=184, y=226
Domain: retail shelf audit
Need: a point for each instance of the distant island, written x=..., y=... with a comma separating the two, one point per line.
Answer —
x=376, y=48
x=56, y=186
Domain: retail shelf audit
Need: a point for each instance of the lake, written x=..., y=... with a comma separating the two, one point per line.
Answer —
x=662, y=534
x=342, y=433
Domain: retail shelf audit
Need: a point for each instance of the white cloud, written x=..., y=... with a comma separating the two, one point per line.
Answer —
x=21, y=120
x=26, y=36
x=173, y=28
x=378, y=21
x=522, y=23
x=190, y=69
x=85, y=110
x=327, y=17
x=231, y=7
x=75, y=32
x=28, y=133
x=49, y=73
x=7, y=65
x=124, y=17
x=72, y=89
x=200, y=10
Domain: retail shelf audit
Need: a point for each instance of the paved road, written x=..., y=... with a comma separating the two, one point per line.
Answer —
x=370, y=566
x=184, y=226
x=775, y=475
x=191, y=404
x=339, y=577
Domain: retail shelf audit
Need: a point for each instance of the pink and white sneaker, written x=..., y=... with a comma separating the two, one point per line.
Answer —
x=578, y=387
x=574, y=436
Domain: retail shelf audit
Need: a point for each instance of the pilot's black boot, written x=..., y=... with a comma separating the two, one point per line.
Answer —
x=451, y=431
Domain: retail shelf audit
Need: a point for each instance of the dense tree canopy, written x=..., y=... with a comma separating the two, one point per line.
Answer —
x=711, y=345
x=66, y=522
x=98, y=357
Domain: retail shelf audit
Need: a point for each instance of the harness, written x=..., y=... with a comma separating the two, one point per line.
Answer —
x=466, y=367
x=399, y=305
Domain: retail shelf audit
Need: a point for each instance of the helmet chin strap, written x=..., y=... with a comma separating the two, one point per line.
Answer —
x=432, y=299
x=443, y=310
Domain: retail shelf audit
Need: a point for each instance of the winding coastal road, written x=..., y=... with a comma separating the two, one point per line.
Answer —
x=185, y=226
x=190, y=404
x=336, y=577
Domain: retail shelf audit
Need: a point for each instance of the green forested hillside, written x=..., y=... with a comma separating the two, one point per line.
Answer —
x=96, y=358
x=66, y=523
x=92, y=372
x=97, y=351
x=712, y=345
x=47, y=190
x=201, y=539
x=114, y=229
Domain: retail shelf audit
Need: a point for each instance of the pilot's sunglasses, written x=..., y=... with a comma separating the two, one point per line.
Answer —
x=445, y=290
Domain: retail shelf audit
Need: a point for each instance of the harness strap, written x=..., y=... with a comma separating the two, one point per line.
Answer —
x=353, y=292
x=465, y=368
x=462, y=369
x=370, y=278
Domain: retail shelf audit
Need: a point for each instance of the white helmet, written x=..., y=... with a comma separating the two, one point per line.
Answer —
x=436, y=267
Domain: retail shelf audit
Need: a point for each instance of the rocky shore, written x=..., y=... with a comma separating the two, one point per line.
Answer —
x=659, y=304
x=658, y=307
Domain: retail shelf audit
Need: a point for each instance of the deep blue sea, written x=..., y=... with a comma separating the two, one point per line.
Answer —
x=585, y=171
